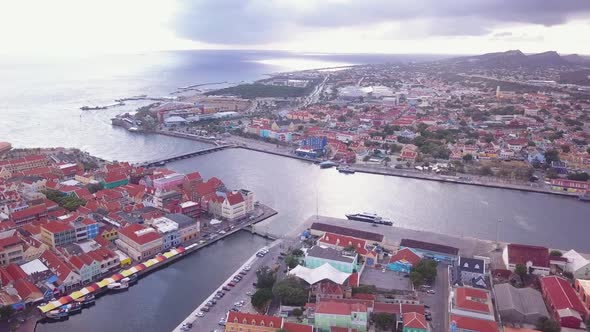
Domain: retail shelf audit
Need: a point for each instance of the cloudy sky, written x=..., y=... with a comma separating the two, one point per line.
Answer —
x=356, y=26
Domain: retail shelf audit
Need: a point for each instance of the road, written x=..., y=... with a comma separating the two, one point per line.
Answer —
x=438, y=302
x=210, y=321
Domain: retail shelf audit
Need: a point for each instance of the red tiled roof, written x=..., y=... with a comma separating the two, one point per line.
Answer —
x=130, y=232
x=234, y=198
x=389, y=308
x=344, y=241
x=293, y=327
x=9, y=241
x=194, y=176
x=77, y=262
x=414, y=320
x=15, y=271
x=418, y=308
x=254, y=319
x=473, y=324
x=56, y=227
x=472, y=299
x=31, y=211
x=114, y=177
x=25, y=289
x=333, y=308
x=406, y=254
x=521, y=254
x=6, y=225
x=561, y=295
x=55, y=264
x=33, y=229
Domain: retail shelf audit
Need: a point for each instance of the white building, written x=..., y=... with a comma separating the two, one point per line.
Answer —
x=577, y=265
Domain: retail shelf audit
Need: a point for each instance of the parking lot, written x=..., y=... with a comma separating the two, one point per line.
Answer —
x=438, y=301
x=387, y=280
x=210, y=320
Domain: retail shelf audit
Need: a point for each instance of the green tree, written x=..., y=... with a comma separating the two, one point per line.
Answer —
x=521, y=270
x=551, y=155
x=366, y=158
x=261, y=297
x=579, y=176
x=297, y=312
x=342, y=118
x=291, y=292
x=384, y=321
x=588, y=150
x=395, y=148
x=265, y=277
x=545, y=324
x=423, y=272
x=297, y=252
x=291, y=261
x=468, y=157
x=94, y=187
x=556, y=253
x=6, y=311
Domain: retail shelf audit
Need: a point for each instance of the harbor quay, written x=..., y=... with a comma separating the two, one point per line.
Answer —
x=210, y=321
x=211, y=236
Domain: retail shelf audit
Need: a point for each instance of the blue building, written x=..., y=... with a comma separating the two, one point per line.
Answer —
x=315, y=142
x=92, y=230
x=434, y=251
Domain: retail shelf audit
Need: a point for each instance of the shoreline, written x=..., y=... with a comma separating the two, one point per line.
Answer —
x=403, y=173
x=189, y=249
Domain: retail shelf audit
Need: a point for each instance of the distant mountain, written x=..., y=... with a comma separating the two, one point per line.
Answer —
x=515, y=58
x=577, y=59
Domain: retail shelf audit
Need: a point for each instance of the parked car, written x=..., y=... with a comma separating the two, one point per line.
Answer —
x=231, y=284
x=205, y=309
x=430, y=291
x=200, y=314
x=225, y=288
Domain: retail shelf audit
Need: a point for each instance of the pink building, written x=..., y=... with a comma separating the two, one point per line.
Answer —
x=170, y=181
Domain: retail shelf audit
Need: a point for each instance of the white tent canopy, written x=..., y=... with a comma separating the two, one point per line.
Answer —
x=326, y=271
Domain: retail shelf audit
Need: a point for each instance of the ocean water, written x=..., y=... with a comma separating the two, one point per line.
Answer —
x=40, y=97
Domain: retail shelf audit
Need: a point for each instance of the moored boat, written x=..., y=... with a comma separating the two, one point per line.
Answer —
x=73, y=308
x=119, y=286
x=87, y=300
x=585, y=197
x=345, y=169
x=57, y=314
x=328, y=164
x=370, y=218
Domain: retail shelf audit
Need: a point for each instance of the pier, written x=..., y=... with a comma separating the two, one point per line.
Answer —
x=163, y=161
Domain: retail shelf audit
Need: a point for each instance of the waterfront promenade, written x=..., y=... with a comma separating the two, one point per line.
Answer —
x=210, y=320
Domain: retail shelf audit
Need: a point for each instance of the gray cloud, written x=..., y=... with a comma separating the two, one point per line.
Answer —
x=263, y=21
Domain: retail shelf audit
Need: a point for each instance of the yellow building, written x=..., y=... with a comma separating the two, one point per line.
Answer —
x=110, y=234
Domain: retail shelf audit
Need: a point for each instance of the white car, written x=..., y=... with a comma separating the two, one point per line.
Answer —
x=200, y=314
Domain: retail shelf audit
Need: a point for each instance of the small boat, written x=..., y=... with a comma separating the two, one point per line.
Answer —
x=89, y=108
x=87, y=300
x=328, y=164
x=370, y=218
x=119, y=286
x=57, y=314
x=345, y=170
x=132, y=279
x=585, y=197
x=73, y=308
